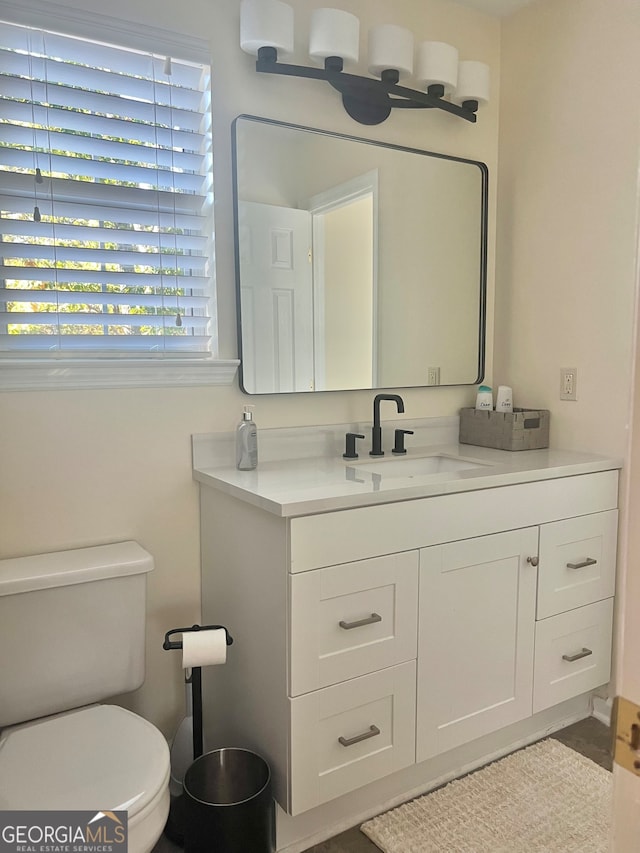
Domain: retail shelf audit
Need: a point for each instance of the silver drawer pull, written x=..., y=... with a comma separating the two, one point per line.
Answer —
x=588, y=562
x=583, y=654
x=375, y=617
x=349, y=741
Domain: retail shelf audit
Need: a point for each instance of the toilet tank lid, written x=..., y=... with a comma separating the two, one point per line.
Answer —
x=80, y=565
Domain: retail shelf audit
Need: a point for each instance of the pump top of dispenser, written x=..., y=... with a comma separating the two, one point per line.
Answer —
x=247, y=414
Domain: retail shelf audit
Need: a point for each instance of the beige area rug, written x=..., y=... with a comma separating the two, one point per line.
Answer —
x=546, y=798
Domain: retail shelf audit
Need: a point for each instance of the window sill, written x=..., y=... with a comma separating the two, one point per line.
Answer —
x=129, y=373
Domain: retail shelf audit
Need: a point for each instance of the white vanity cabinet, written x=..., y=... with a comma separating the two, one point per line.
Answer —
x=371, y=639
x=527, y=616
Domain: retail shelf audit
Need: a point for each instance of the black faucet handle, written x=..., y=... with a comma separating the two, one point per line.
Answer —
x=399, y=447
x=350, y=445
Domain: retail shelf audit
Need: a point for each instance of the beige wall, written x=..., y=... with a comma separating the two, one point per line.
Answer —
x=569, y=133
x=567, y=261
x=83, y=467
x=431, y=258
x=348, y=302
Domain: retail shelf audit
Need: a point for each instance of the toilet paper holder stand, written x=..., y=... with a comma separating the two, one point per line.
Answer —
x=195, y=679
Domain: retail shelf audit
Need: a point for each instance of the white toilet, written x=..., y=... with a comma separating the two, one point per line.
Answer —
x=72, y=632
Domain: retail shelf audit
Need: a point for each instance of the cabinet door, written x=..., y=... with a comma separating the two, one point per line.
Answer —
x=475, y=638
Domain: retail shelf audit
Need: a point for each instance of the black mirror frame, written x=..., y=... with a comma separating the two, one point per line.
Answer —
x=482, y=306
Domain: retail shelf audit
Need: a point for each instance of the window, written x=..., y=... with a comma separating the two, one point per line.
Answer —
x=106, y=202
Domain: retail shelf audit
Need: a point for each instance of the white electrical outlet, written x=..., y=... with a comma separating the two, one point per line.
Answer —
x=433, y=375
x=568, y=383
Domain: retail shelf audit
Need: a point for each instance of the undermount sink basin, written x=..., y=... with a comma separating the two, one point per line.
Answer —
x=408, y=466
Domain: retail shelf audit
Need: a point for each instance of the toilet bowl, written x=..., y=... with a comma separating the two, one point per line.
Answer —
x=72, y=633
x=101, y=757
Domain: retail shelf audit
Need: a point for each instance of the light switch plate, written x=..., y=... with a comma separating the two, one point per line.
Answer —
x=433, y=376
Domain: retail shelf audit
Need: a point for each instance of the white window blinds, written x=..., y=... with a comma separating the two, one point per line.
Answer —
x=105, y=199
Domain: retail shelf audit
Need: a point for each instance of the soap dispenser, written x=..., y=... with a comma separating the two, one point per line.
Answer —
x=246, y=442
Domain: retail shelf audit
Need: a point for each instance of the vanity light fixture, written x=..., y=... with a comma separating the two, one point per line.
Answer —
x=266, y=32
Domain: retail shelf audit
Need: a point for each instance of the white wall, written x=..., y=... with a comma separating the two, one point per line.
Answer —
x=567, y=226
x=83, y=467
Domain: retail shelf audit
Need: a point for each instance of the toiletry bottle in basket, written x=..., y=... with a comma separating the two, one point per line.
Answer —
x=504, y=399
x=484, y=398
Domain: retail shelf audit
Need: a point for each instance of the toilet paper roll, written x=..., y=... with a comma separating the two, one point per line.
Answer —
x=204, y=648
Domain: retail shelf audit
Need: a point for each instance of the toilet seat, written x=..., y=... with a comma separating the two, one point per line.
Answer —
x=100, y=758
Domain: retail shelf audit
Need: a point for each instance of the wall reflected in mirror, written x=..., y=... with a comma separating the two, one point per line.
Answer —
x=359, y=265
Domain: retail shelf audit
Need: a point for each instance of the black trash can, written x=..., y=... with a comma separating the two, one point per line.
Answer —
x=228, y=805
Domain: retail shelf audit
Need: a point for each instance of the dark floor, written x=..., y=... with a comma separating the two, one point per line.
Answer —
x=589, y=737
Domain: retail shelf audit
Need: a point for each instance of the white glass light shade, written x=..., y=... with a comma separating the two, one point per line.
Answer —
x=473, y=82
x=266, y=23
x=334, y=33
x=390, y=46
x=437, y=63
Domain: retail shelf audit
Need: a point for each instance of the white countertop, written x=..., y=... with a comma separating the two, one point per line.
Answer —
x=324, y=483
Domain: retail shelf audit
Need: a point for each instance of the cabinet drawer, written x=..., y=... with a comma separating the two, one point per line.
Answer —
x=351, y=734
x=573, y=653
x=352, y=619
x=355, y=534
x=577, y=563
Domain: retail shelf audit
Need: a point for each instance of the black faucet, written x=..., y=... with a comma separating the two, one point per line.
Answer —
x=376, y=432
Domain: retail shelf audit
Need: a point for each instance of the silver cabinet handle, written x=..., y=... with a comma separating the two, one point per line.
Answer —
x=532, y=560
x=583, y=654
x=588, y=562
x=349, y=741
x=369, y=620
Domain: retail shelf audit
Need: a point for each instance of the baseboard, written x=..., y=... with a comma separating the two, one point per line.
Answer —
x=601, y=709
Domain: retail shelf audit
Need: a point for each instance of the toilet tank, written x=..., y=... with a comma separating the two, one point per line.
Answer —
x=72, y=628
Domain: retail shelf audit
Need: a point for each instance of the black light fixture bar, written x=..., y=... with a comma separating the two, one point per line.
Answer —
x=366, y=99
